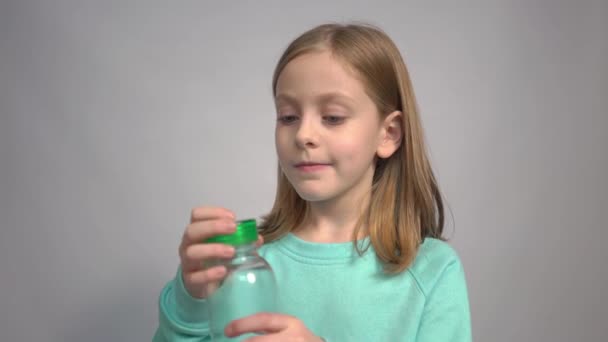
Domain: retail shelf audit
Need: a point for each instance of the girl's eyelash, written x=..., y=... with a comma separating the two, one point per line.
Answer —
x=330, y=119
x=286, y=119
x=334, y=119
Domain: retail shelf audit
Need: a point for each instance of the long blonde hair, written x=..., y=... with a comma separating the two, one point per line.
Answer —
x=406, y=204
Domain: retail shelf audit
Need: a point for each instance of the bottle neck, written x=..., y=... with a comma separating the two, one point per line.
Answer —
x=245, y=249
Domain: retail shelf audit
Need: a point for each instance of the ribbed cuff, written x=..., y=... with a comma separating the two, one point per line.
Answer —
x=180, y=312
x=189, y=309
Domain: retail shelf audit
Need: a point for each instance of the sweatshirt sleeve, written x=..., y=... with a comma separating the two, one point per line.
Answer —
x=182, y=318
x=446, y=315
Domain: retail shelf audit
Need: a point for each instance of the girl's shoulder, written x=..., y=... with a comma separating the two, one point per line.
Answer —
x=434, y=251
x=434, y=258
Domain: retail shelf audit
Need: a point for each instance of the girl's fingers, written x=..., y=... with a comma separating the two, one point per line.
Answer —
x=202, y=277
x=210, y=213
x=196, y=254
x=261, y=322
x=200, y=231
x=260, y=241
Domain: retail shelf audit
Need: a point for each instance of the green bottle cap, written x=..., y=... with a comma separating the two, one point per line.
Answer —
x=246, y=233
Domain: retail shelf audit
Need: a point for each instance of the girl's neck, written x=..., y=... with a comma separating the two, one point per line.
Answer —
x=332, y=221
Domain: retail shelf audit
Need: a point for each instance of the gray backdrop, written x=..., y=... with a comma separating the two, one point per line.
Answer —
x=117, y=118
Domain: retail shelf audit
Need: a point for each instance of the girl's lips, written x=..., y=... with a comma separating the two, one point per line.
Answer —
x=311, y=167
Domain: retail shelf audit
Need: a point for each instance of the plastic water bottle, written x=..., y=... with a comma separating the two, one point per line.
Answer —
x=249, y=286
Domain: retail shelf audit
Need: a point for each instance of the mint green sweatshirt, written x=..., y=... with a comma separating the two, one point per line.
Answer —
x=344, y=297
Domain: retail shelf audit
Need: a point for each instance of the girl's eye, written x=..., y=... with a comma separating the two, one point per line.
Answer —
x=333, y=119
x=287, y=119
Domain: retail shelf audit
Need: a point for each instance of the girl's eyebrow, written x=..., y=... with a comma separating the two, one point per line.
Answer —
x=323, y=98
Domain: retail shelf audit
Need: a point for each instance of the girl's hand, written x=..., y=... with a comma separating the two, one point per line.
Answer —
x=200, y=278
x=276, y=327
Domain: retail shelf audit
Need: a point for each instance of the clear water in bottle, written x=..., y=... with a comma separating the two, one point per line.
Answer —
x=248, y=288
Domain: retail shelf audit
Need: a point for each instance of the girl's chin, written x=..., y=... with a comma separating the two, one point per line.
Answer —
x=313, y=196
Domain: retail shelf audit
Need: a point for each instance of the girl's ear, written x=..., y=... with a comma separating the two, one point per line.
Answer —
x=391, y=135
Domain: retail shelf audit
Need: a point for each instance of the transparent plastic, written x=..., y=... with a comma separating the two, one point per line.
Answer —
x=248, y=288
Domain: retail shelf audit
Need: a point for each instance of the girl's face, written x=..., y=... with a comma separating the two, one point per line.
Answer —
x=324, y=117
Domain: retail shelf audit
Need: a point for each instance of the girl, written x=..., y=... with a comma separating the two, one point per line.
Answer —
x=354, y=236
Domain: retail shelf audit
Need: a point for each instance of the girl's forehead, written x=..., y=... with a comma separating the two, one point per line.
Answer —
x=337, y=97
x=318, y=74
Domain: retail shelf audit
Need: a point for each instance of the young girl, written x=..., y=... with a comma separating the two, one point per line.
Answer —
x=354, y=236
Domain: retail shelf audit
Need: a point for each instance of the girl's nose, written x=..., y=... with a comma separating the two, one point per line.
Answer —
x=307, y=133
